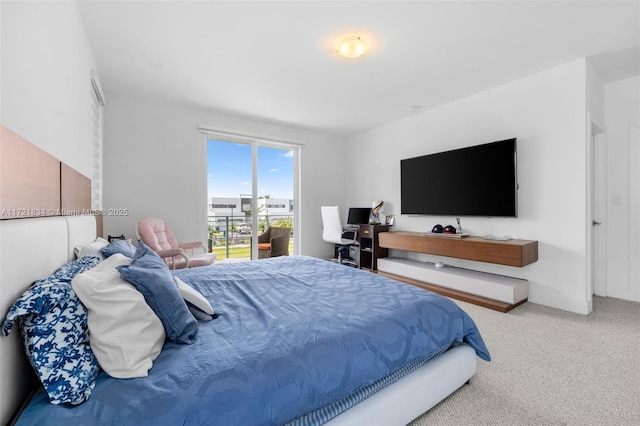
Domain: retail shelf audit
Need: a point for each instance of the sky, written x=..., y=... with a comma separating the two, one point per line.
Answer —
x=229, y=170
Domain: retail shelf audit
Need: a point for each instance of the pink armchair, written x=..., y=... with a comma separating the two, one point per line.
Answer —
x=157, y=234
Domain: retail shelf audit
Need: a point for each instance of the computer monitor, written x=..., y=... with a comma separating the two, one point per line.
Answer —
x=358, y=216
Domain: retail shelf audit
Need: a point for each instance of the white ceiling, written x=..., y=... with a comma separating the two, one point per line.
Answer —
x=275, y=61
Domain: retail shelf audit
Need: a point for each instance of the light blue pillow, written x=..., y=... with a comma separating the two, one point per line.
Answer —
x=55, y=334
x=150, y=276
x=119, y=246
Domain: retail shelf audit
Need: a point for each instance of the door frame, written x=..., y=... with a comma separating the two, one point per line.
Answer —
x=634, y=212
x=255, y=140
x=596, y=248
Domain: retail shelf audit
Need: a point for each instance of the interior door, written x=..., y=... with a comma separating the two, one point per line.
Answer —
x=598, y=214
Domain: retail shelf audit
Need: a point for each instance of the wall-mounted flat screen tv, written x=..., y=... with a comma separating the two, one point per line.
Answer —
x=480, y=180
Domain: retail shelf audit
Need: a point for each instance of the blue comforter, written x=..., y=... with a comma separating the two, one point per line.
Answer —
x=293, y=335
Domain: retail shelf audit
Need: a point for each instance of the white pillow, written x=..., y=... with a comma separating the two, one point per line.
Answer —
x=126, y=336
x=91, y=249
x=198, y=305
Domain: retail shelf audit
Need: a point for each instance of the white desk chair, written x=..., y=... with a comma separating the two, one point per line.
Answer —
x=333, y=232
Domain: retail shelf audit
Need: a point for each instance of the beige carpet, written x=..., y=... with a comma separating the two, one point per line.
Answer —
x=551, y=367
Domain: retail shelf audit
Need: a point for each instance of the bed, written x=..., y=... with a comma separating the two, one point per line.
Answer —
x=296, y=340
x=241, y=368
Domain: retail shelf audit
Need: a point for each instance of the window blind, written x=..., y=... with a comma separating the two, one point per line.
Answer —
x=97, y=107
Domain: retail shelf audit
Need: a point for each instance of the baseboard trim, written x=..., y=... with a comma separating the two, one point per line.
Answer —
x=558, y=301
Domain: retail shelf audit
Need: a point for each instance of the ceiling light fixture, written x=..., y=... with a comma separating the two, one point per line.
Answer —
x=351, y=47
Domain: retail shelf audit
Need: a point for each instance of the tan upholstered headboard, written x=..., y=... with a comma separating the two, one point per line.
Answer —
x=36, y=184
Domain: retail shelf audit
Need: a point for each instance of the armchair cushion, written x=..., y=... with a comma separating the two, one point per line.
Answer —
x=156, y=234
x=205, y=259
x=193, y=246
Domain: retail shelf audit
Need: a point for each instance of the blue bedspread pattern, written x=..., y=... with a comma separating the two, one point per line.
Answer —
x=294, y=335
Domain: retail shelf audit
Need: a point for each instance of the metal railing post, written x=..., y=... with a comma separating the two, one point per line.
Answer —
x=226, y=218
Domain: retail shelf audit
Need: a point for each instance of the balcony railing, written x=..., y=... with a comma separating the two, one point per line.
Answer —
x=230, y=237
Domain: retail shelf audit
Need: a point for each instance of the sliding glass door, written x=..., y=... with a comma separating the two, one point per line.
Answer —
x=251, y=187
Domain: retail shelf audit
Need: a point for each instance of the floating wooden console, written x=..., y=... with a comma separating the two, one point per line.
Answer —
x=491, y=291
x=511, y=252
x=483, y=289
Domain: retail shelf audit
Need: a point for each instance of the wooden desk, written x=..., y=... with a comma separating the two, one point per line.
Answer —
x=370, y=249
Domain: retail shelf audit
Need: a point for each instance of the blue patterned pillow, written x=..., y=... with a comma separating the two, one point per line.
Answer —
x=119, y=246
x=150, y=276
x=54, y=329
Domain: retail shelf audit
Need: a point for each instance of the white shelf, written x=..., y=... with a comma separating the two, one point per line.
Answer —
x=496, y=287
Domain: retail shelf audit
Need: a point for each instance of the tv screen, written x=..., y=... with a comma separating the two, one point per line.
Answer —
x=358, y=215
x=479, y=180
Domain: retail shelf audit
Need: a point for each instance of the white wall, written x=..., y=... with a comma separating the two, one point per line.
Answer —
x=46, y=96
x=622, y=100
x=546, y=112
x=46, y=79
x=154, y=161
